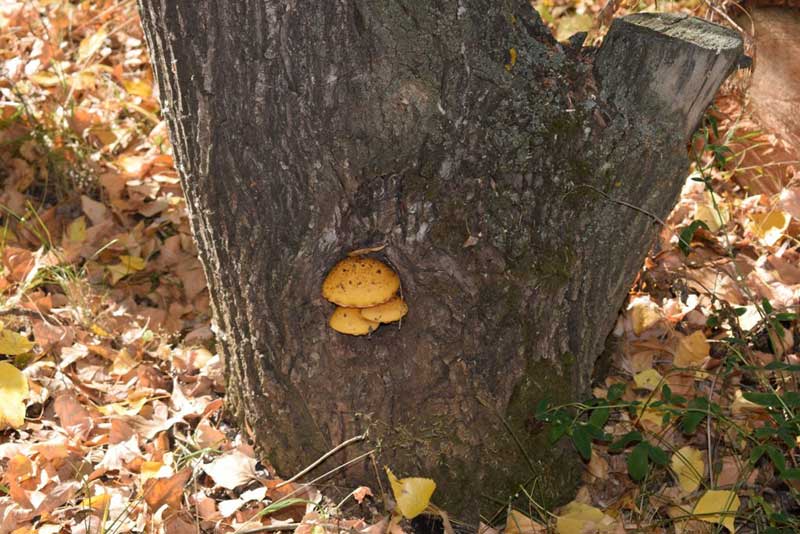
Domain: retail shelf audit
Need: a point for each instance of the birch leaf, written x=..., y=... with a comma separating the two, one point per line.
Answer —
x=688, y=465
x=14, y=344
x=692, y=350
x=412, y=494
x=718, y=506
x=13, y=390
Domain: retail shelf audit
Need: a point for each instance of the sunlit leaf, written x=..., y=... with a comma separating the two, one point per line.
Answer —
x=14, y=344
x=13, y=391
x=97, y=502
x=644, y=314
x=412, y=494
x=770, y=226
x=91, y=44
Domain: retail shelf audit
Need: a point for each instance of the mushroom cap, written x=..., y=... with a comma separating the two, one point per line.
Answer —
x=349, y=321
x=358, y=282
x=388, y=312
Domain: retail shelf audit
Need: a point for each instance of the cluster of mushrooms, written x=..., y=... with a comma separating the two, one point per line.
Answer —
x=365, y=293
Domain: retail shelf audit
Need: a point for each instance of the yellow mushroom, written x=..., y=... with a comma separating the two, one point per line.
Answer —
x=349, y=321
x=388, y=312
x=359, y=282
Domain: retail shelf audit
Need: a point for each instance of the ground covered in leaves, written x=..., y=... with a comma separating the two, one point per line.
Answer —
x=111, y=393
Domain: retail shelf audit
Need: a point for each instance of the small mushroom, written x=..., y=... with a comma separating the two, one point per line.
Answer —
x=359, y=282
x=388, y=312
x=350, y=321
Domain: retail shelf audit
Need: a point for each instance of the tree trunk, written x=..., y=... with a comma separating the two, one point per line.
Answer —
x=514, y=182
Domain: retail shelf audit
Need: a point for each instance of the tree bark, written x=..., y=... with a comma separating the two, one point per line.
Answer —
x=515, y=184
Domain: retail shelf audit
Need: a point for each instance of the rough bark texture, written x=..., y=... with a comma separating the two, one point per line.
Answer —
x=306, y=129
x=775, y=90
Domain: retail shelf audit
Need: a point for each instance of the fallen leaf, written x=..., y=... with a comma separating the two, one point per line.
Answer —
x=72, y=415
x=161, y=491
x=96, y=211
x=649, y=379
x=97, y=503
x=770, y=226
x=13, y=391
x=91, y=44
x=519, y=523
x=14, y=344
x=717, y=506
x=644, y=314
x=579, y=518
x=688, y=465
x=692, y=350
x=232, y=469
x=790, y=201
x=361, y=493
x=412, y=494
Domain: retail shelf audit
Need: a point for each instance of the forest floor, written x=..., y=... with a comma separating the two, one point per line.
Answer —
x=111, y=393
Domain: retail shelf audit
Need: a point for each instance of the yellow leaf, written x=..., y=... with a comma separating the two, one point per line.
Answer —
x=649, y=379
x=76, y=231
x=717, y=506
x=689, y=467
x=126, y=408
x=137, y=87
x=644, y=314
x=91, y=45
x=412, y=494
x=743, y=407
x=578, y=518
x=45, y=79
x=150, y=470
x=127, y=265
x=13, y=390
x=99, y=330
x=713, y=218
x=134, y=263
x=692, y=350
x=769, y=227
x=519, y=523
x=97, y=502
x=14, y=344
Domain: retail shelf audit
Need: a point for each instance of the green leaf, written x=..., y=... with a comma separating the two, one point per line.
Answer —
x=791, y=474
x=615, y=392
x=686, y=235
x=599, y=416
x=557, y=430
x=622, y=443
x=766, y=305
x=778, y=460
x=541, y=409
x=637, y=461
x=786, y=316
x=690, y=421
x=657, y=455
x=757, y=453
x=582, y=441
x=763, y=399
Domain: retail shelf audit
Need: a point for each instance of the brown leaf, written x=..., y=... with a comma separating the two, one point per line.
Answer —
x=161, y=491
x=73, y=416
